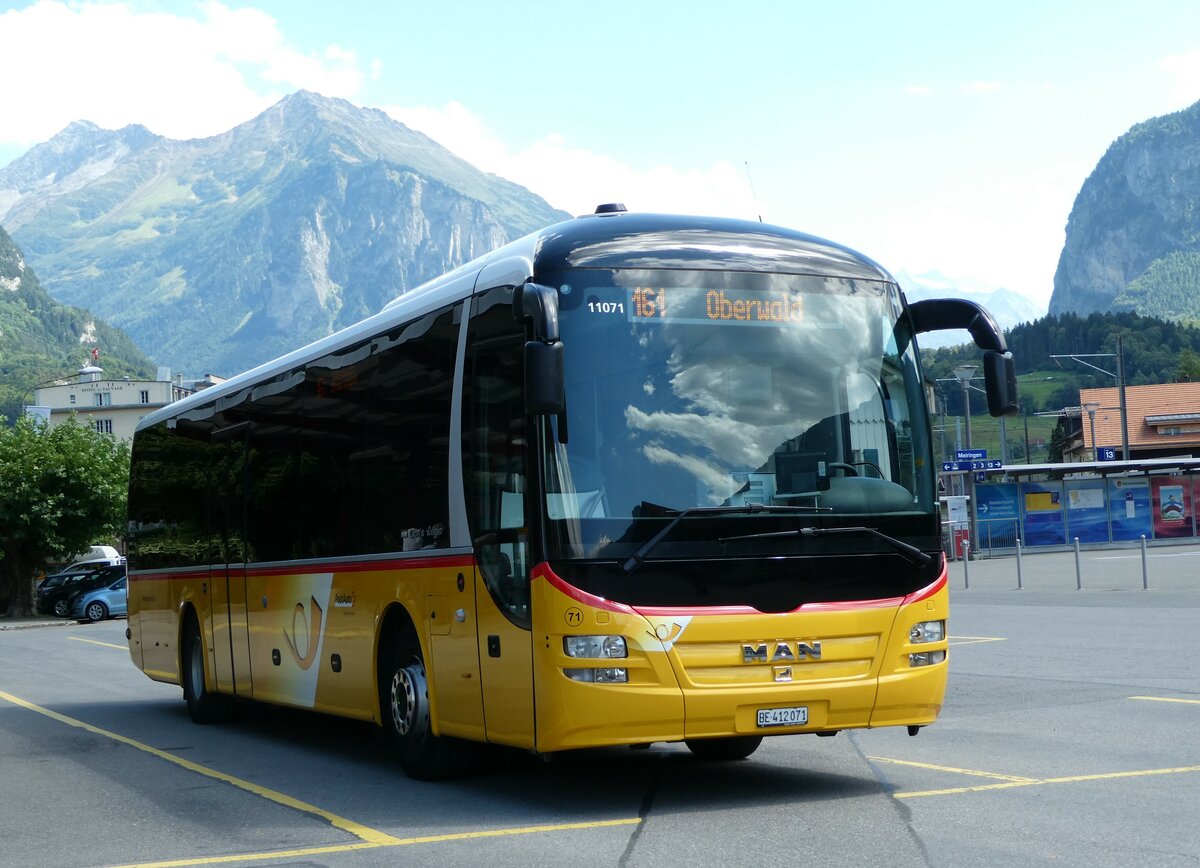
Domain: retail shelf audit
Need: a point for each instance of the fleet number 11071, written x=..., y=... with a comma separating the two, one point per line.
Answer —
x=606, y=306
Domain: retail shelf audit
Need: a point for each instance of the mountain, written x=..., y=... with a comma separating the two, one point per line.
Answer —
x=41, y=339
x=1133, y=237
x=218, y=254
x=1008, y=307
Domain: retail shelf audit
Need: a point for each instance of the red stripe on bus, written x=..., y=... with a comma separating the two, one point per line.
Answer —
x=543, y=571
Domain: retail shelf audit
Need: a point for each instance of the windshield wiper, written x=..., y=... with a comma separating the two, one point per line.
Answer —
x=910, y=553
x=640, y=555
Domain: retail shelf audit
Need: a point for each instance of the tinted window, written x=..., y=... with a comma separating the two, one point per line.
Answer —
x=351, y=455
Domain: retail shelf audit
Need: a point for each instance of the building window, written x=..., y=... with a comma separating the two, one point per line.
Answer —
x=102, y=426
x=72, y=397
x=145, y=394
x=102, y=399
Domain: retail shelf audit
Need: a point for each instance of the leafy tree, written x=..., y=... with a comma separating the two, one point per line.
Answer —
x=1188, y=369
x=61, y=490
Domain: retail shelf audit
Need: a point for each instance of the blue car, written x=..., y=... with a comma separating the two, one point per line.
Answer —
x=101, y=603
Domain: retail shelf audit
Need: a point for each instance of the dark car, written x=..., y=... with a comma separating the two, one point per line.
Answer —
x=47, y=589
x=57, y=598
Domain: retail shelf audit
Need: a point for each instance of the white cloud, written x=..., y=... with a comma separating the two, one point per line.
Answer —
x=576, y=179
x=981, y=87
x=1185, y=70
x=183, y=77
x=918, y=90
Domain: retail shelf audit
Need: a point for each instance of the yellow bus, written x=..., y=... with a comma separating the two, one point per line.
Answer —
x=631, y=479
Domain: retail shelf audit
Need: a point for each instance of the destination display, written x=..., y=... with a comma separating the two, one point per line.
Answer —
x=725, y=306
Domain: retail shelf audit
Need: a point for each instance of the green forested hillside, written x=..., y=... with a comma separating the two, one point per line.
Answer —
x=1169, y=289
x=41, y=339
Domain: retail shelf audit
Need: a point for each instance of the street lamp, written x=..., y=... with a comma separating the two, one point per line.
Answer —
x=1092, y=407
x=964, y=374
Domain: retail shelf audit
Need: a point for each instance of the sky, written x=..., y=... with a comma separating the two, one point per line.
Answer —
x=943, y=136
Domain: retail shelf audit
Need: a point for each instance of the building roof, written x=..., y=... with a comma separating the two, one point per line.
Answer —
x=1145, y=407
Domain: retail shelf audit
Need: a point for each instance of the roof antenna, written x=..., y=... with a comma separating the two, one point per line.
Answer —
x=752, y=193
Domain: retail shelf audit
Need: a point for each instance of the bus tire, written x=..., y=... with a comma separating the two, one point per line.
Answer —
x=404, y=705
x=203, y=706
x=722, y=749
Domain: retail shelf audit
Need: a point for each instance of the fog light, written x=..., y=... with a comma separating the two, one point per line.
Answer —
x=598, y=676
x=927, y=631
x=926, y=658
x=595, y=646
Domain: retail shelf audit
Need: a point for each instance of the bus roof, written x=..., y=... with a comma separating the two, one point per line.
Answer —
x=602, y=241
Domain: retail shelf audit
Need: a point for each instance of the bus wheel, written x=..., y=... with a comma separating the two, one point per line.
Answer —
x=204, y=707
x=736, y=748
x=404, y=700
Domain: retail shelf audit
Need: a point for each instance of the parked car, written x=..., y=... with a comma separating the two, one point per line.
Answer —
x=57, y=589
x=102, y=602
x=57, y=599
x=96, y=557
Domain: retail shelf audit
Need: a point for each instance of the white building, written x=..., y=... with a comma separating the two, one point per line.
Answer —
x=110, y=406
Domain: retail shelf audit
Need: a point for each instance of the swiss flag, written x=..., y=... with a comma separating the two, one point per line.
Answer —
x=96, y=353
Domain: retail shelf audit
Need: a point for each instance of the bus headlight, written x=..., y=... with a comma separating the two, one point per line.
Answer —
x=926, y=658
x=595, y=646
x=927, y=631
x=609, y=675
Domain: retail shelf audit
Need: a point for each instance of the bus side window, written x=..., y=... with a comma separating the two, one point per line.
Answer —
x=494, y=448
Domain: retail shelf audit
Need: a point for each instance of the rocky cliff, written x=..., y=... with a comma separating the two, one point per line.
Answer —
x=1133, y=236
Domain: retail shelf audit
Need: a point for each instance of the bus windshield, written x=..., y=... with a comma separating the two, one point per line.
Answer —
x=699, y=392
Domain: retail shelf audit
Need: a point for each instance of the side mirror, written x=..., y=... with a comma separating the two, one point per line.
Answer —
x=545, y=389
x=1000, y=377
x=545, y=393
x=999, y=372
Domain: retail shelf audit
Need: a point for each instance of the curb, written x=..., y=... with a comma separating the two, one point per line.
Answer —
x=20, y=624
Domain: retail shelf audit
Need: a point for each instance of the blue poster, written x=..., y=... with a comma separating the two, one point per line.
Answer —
x=1087, y=512
x=998, y=512
x=1043, y=506
x=1129, y=509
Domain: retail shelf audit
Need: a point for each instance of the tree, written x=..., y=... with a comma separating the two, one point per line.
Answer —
x=1188, y=367
x=62, y=489
x=1058, y=439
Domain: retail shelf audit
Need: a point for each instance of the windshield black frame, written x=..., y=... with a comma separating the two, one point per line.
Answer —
x=641, y=392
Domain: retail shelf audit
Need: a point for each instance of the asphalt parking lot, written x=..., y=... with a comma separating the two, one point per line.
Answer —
x=1068, y=738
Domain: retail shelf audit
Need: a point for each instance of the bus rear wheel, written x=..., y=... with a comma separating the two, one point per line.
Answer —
x=735, y=748
x=404, y=702
x=203, y=706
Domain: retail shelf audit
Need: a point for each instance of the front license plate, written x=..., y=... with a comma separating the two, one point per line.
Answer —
x=794, y=716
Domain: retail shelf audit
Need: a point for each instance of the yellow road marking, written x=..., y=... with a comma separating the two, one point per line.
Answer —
x=97, y=642
x=371, y=836
x=974, y=640
x=1166, y=699
x=398, y=842
x=1072, y=779
x=957, y=771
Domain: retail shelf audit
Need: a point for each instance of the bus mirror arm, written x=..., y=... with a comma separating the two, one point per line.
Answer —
x=545, y=389
x=538, y=305
x=1000, y=373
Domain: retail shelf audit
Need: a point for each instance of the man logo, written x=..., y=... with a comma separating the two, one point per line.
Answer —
x=776, y=652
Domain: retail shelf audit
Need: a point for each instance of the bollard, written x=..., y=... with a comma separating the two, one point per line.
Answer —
x=1079, y=574
x=1145, y=574
x=966, y=564
x=1020, y=587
